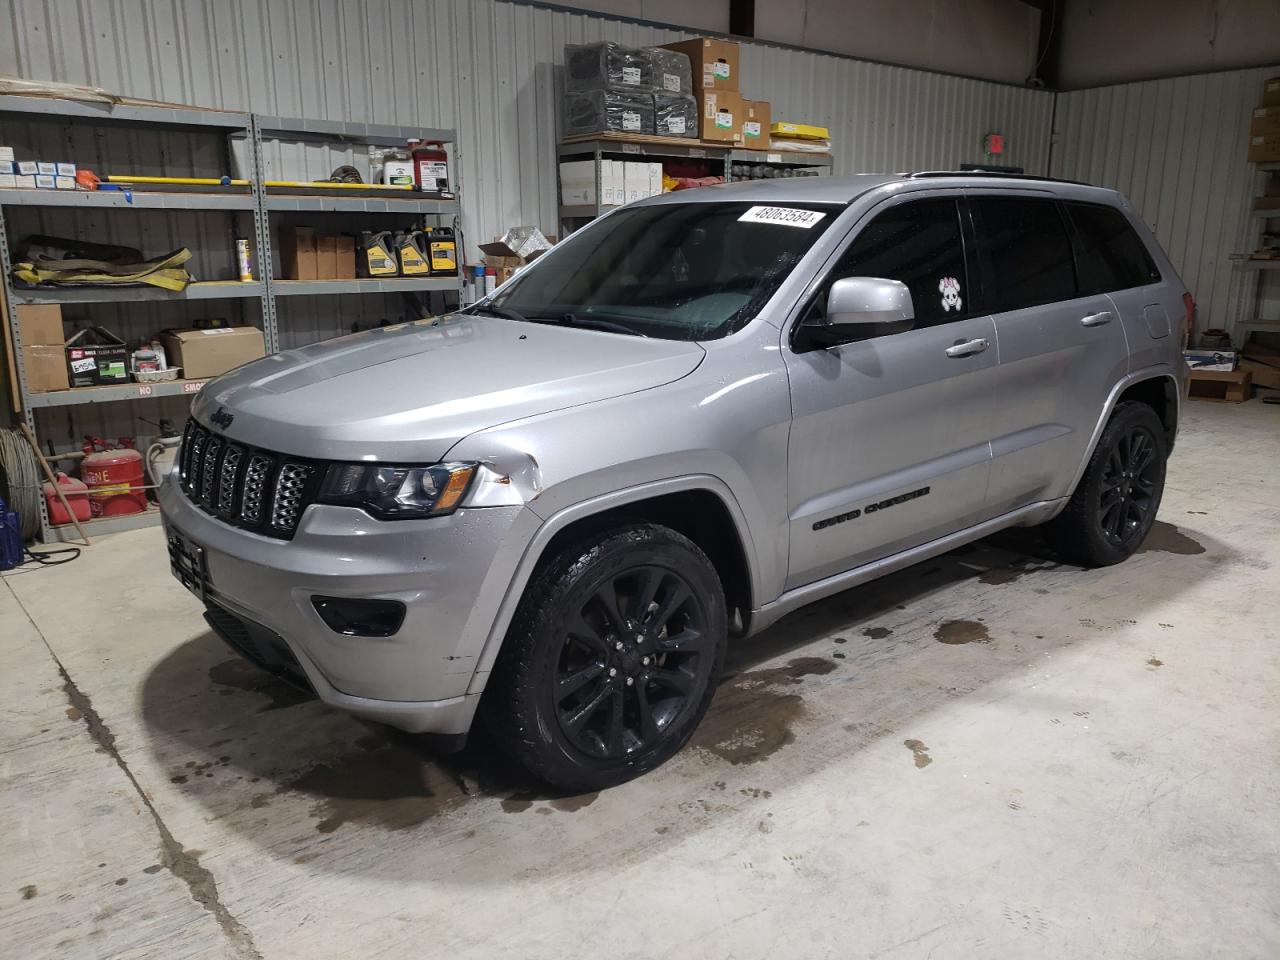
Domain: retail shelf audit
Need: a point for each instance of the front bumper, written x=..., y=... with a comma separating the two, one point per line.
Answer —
x=451, y=574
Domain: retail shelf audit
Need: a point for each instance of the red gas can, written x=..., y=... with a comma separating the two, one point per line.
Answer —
x=77, y=495
x=114, y=478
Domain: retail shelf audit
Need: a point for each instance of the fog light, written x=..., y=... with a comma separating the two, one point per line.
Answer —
x=360, y=618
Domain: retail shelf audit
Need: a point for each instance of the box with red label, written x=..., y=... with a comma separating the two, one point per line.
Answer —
x=97, y=357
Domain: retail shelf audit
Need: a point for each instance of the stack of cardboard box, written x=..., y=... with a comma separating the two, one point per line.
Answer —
x=725, y=115
x=307, y=255
x=1264, y=129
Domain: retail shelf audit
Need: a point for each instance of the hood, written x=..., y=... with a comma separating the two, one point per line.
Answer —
x=409, y=392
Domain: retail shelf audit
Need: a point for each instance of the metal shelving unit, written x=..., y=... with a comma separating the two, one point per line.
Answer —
x=339, y=203
x=137, y=199
x=199, y=290
x=623, y=147
x=313, y=288
x=254, y=129
x=281, y=201
x=1267, y=221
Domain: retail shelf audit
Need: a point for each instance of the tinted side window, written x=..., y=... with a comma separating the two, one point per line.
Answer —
x=1025, y=251
x=919, y=244
x=1109, y=253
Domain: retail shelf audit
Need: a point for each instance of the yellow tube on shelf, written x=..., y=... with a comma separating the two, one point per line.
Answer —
x=328, y=185
x=180, y=181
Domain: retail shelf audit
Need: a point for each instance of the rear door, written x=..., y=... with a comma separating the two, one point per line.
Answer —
x=890, y=437
x=1112, y=259
x=1062, y=349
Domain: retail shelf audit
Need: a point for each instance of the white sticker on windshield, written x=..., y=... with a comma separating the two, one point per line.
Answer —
x=786, y=216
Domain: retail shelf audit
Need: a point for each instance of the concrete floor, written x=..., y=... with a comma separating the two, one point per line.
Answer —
x=988, y=755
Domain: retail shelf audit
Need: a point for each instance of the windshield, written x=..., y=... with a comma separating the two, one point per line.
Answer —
x=686, y=271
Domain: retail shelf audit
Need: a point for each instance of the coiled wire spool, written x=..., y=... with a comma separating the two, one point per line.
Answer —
x=23, y=473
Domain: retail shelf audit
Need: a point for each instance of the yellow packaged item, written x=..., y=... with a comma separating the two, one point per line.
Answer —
x=800, y=131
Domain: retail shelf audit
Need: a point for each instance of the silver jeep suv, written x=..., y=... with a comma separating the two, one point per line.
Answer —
x=695, y=415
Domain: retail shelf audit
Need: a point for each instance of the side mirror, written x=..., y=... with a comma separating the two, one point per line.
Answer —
x=868, y=307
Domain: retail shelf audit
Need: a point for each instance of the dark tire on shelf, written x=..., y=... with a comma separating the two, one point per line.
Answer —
x=1115, y=503
x=640, y=612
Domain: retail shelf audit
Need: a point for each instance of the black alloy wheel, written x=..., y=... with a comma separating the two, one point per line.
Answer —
x=611, y=659
x=1114, y=505
x=1129, y=490
x=630, y=660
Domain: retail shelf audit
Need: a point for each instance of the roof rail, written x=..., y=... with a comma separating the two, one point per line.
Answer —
x=991, y=174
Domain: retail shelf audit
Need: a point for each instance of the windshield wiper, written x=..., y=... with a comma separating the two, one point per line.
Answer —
x=590, y=323
x=504, y=312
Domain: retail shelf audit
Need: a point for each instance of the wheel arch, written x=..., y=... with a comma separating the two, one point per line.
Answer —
x=1155, y=386
x=701, y=507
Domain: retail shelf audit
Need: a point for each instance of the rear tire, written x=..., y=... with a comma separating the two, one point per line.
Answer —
x=1115, y=503
x=611, y=660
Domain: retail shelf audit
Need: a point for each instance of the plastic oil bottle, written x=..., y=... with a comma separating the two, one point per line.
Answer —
x=443, y=251
x=377, y=258
x=411, y=248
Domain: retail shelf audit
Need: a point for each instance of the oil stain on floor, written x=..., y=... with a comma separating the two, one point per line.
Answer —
x=1166, y=538
x=962, y=631
x=751, y=718
x=392, y=782
x=919, y=752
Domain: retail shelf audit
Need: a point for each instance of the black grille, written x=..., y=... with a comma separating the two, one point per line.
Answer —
x=251, y=488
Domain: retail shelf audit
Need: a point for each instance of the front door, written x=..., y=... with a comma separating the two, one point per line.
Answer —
x=890, y=439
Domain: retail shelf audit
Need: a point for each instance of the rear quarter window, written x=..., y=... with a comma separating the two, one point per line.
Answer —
x=1109, y=253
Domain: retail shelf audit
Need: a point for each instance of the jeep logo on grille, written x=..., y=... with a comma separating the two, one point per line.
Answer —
x=221, y=418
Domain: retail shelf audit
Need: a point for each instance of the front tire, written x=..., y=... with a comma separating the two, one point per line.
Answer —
x=611, y=660
x=1115, y=503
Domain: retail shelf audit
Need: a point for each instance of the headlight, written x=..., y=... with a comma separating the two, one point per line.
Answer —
x=398, y=493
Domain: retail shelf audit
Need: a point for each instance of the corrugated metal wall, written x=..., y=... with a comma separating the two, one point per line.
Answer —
x=488, y=68
x=1177, y=148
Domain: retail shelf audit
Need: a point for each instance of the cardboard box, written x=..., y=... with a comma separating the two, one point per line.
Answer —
x=46, y=368
x=65, y=170
x=721, y=116
x=518, y=248
x=1223, y=386
x=25, y=182
x=46, y=169
x=96, y=357
x=714, y=62
x=64, y=183
x=8, y=181
x=655, y=179
x=326, y=256
x=636, y=179
x=1264, y=375
x=28, y=168
x=1271, y=92
x=40, y=324
x=1266, y=121
x=613, y=185
x=298, y=253
x=755, y=124
x=1216, y=361
x=207, y=353
x=46, y=182
x=1264, y=148
x=6, y=156
x=346, y=255
x=578, y=182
